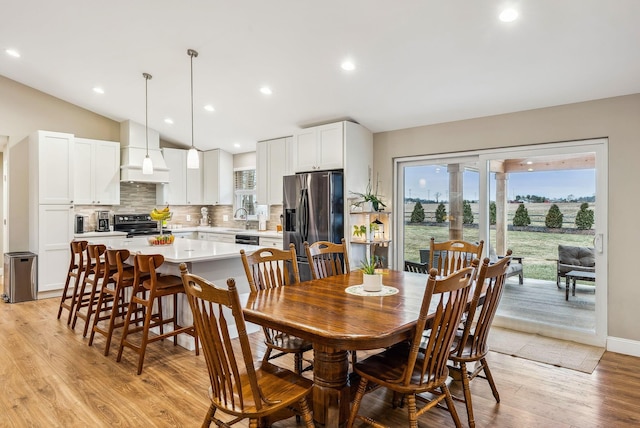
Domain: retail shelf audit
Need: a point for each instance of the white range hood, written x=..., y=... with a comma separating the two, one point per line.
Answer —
x=133, y=150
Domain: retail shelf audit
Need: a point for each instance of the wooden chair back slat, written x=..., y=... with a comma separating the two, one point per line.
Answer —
x=327, y=258
x=450, y=256
x=271, y=267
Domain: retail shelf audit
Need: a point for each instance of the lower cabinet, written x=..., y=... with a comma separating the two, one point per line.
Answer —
x=271, y=242
x=185, y=235
x=218, y=237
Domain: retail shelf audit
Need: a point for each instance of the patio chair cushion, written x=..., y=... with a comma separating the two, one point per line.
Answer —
x=575, y=258
x=515, y=267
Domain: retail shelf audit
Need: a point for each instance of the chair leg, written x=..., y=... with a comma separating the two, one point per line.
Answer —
x=297, y=362
x=489, y=376
x=413, y=411
x=467, y=394
x=145, y=334
x=362, y=387
x=451, y=406
x=209, y=417
x=305, y=412
x=521, y=278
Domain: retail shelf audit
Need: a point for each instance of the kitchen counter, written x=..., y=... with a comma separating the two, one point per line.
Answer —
x=181, y=251
x=87, y=235
x=227, y=231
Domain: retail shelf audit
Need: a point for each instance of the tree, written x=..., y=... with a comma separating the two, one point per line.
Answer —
x=467, y=214
x=553, y=220
x=492, y=212
x=437, y=195
x=521, y=217
x=441, y=213
x=417, y=215
x=584, y=217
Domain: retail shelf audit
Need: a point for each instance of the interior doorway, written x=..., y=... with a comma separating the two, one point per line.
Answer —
x=483, y=199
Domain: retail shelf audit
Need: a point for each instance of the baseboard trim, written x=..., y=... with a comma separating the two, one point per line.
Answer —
x=623, y=346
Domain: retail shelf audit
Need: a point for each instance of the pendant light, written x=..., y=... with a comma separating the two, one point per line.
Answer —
x=147, y=165
x=192, y=156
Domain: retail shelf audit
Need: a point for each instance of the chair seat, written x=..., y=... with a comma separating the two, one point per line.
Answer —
x=467, y=353
x=278, y=385
x=287, y=343
x=387, y=362
x=165, y=284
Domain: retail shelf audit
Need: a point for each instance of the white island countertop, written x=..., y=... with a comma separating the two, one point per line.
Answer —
x=181, y=251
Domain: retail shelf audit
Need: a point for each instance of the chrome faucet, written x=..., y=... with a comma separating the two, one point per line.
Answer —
x=245, y=217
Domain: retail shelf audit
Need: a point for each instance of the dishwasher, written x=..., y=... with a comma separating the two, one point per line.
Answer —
x=248, y=239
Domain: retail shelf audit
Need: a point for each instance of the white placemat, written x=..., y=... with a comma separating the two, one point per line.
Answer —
x=358, y=290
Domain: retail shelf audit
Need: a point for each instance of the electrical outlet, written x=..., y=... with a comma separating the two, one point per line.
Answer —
x=225, y=218
x=188, y=217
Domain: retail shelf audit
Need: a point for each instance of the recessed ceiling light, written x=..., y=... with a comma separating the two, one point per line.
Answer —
x=236, y=145
x=169, y=121
x=348, y=65
x=530, y=169
x=266, y=90
x=508, y=15
x=209, y=107
x=529, y=163
x=12, y=52
x=98, y=90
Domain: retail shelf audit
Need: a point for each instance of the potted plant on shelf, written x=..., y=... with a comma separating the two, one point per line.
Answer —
x=371, y=280
x=370, y=199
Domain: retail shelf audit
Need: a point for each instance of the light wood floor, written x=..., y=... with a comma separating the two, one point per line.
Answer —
x=49, y=377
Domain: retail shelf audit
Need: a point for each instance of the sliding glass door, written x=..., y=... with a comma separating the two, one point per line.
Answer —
x=530, y=200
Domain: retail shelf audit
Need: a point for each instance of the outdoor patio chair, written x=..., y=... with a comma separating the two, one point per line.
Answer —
x=570, y=258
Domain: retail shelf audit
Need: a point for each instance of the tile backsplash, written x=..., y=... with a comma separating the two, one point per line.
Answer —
x=140, y=198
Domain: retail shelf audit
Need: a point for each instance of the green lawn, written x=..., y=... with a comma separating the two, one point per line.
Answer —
x=539, y=249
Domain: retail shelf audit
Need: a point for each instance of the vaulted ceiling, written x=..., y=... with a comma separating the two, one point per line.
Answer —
x=416, y=62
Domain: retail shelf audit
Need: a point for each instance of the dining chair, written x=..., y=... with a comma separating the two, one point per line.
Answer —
x=450, y=256
x=146, y=292
x=407, y=371
x=327, y=258
x=247, y=392
x=416, y=267
x=268, y=268
x=78, y=250
x=471, y=345
x=89, y=293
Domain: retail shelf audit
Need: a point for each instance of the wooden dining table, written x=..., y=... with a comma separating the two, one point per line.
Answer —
x=336, y=322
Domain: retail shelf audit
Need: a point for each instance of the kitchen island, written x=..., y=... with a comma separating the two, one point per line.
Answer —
x=215, y=261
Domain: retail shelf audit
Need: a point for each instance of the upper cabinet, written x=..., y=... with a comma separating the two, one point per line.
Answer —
x=51, y=155
x=217, y=177
x=185, y=185
x=96, y=172
x=319, y=147
x=272, y=163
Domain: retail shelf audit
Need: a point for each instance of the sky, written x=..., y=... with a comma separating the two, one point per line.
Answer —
x=426, y=181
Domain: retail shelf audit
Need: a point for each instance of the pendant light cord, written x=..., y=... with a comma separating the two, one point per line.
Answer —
x=192, y=53
x=146, y=76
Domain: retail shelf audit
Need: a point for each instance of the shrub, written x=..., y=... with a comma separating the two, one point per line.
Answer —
x=417, y=215
x=467, y=214
x=553, y=220
x=441, y=213
x=521, y=217
x=492, y=212
x=584, y=217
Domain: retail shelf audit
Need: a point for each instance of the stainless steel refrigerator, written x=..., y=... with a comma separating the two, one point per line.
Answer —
x=313, y=208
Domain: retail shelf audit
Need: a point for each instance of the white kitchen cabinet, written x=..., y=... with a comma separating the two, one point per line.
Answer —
x=55, y=232
x=51, y=154
x=217, y=237
x=194, y=182
x=96, y=172
x=173, y=192
x=319, y=148
x=272, y=163
x=185, y=235
x=185, y=185
x=217, y=177
x=271, y=242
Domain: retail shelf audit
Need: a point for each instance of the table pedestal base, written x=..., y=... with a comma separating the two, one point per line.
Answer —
x=331, y=390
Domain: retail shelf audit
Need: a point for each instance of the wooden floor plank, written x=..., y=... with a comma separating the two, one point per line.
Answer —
x=50, y=378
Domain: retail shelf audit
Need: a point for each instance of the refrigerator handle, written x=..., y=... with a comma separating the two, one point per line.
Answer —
x=304, y=214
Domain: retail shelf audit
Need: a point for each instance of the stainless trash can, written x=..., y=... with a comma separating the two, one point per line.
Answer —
x=20, y=276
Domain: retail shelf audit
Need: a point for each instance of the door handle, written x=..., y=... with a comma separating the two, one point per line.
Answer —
x=597, y=242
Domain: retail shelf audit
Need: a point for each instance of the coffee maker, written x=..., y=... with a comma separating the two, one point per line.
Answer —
x=103, y=221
